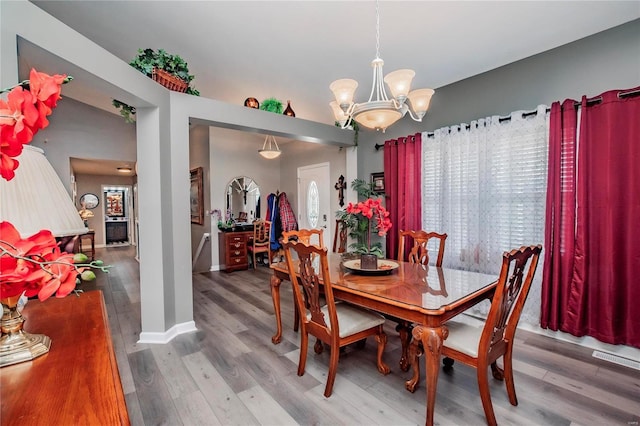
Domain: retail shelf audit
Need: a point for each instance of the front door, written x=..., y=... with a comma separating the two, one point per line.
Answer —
x=314, y=207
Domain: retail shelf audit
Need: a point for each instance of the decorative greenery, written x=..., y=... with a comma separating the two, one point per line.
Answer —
x=355, y=127
x=272, y=105
x=358, y=221
x=145, y=62
x=126, y=111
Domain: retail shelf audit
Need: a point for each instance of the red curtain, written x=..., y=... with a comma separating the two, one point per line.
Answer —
x=590, y=284
x=402, y=180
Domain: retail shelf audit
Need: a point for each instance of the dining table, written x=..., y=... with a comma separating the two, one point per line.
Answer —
x=422, y=296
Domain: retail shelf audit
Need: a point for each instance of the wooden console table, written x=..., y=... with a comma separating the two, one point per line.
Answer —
x=77, y=382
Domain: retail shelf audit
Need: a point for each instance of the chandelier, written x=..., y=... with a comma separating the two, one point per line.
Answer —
x=380, y=112
x=270, y=152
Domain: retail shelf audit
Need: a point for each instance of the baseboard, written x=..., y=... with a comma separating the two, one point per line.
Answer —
x=623, y=351
x=215, y=268
x=167, y=336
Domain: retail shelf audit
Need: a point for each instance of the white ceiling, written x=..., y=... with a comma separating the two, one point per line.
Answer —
x=293, y=50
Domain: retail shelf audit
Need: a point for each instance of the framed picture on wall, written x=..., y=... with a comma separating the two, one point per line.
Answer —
x=196, y=197
x=377, y=182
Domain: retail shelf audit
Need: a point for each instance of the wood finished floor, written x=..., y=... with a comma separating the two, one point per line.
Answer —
x=229, y=372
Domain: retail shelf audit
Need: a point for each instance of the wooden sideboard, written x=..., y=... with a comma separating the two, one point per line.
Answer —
x=233, y=250
x=77, y=381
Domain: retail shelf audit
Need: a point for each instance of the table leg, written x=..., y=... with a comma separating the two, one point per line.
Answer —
x=404, y=330
x=275, y=295
x=431, y=338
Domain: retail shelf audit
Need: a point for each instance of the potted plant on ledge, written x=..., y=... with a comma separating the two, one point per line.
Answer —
x=168, y=70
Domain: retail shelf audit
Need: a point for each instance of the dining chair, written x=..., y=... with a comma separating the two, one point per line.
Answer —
x=260, y=243
x=419, y=252
x=336, y=324
x=340, y=237
x=305, y=235
x=480, y=346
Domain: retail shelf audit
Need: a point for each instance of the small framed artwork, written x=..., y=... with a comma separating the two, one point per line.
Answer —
x=196, y=197
x=377, y=182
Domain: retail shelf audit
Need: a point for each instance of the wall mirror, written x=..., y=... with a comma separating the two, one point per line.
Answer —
x=243, y=199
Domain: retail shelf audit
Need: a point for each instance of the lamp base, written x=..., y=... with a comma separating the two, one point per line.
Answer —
x=22, y=346
x=16, y=345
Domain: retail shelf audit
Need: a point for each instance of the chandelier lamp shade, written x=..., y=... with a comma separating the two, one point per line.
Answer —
x=380, y=111
x=268, y=151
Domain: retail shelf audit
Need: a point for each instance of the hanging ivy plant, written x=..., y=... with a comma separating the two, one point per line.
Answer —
x=355, y=127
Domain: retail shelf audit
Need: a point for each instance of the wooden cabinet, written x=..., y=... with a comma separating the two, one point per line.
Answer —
x=233, y=250
x=77, y=382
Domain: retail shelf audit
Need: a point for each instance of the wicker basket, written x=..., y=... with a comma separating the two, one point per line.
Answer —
x=169, y=81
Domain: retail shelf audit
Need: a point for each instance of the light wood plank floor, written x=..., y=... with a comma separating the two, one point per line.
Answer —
x=229, y=372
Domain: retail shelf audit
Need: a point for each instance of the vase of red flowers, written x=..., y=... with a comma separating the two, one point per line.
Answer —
x=364, y=218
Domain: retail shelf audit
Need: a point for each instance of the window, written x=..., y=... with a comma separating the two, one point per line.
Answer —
x=485, y=186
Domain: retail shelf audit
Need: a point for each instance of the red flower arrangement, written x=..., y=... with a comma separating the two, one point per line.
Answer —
x=37, y=266
x=24, y=113
x=359, y=218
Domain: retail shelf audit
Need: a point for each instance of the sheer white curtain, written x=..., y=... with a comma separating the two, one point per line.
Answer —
x=485, y=186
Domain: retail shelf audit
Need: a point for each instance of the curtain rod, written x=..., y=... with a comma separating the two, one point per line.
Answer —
x=590, y=102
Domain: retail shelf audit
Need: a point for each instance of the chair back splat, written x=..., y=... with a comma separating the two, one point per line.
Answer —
x=340, y=237
x=419, y=252
x=480, y=346
x=260, y=243
x=334, y=324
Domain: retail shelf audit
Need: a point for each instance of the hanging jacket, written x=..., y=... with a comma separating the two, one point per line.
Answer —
x=287, y=217
x=273, y=215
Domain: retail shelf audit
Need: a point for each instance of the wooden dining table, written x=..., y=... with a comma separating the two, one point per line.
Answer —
x=425, y=296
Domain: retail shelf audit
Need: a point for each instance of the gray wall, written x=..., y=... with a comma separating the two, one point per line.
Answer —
x=199, y=157
x=605, y=61
x=82, y=131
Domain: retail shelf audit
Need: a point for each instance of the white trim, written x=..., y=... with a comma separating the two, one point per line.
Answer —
x=585, y=341
x=215, y=268
x=167, y=336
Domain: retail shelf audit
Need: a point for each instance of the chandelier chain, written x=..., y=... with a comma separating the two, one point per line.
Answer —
x=377, y=29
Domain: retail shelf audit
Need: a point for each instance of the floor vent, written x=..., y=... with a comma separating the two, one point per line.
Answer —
x=617, y=359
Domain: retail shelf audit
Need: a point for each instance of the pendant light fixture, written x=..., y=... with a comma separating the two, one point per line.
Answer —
x=380, y=112
x=269, y=152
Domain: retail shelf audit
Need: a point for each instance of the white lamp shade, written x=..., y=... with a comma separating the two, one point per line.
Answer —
x=420, y=100
x=399, y=82
x=35, y=199
x=269, y=152
x=343, y=90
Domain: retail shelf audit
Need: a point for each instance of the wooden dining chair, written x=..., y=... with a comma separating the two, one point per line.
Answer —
x=336, y=324
x=260, y=243
x=419, y=252
x=340, y=237
x=480, y=346
x=305, y=235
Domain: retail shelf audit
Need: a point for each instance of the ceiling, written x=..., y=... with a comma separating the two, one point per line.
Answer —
x=293, y=50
